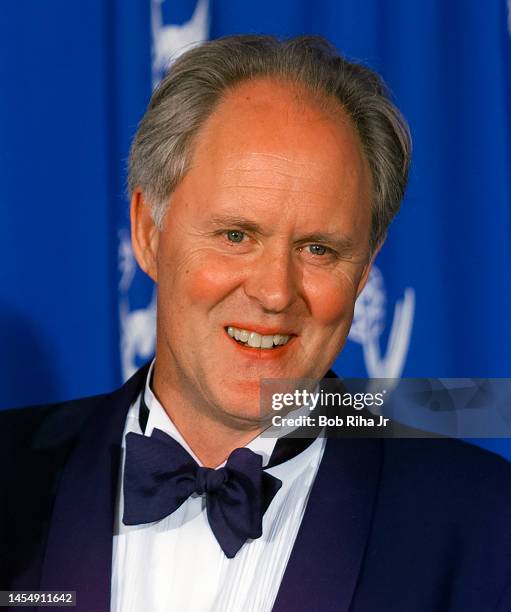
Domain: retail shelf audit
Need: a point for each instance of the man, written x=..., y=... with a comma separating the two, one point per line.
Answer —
x=263, y=179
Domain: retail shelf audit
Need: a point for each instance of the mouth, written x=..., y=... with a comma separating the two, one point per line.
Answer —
x=252, y=339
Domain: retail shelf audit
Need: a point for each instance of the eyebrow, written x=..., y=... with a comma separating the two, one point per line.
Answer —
x=333, y=239
x=238, y=222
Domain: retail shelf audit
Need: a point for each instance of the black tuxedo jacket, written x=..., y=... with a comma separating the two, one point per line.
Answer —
x=393, y=525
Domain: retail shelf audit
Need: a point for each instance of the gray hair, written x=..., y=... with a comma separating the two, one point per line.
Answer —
x=198, y=80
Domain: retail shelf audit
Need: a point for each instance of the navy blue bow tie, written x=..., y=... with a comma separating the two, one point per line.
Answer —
x=160, y=475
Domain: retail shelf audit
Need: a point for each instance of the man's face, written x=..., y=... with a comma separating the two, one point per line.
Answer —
x=266, y=237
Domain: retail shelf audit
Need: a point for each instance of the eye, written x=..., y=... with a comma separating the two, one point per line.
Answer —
x=317, y=249
x=319, y=254
x=235, y=235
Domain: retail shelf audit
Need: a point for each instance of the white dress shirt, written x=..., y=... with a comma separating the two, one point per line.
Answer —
x=176, y=564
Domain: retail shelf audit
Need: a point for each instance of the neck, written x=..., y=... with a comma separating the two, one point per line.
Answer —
x=211, y=439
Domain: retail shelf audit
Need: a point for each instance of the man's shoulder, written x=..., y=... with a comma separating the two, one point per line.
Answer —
x=411, y=453
x=26, y=416
x=449, y=477
x=48, y=423
x=27, y=419
x=45, y=426
x=444, y=456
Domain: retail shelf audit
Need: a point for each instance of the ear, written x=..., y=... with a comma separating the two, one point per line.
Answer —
x=144, y=235
x=367, y=269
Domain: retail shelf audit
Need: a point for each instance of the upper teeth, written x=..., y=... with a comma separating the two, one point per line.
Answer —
x=256, y=340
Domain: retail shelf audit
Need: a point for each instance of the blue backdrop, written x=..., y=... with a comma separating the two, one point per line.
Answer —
x=75, y=315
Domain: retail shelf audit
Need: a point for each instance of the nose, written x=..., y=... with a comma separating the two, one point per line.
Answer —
x=272, y=280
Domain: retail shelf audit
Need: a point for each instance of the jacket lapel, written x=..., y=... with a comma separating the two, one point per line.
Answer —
x=327, y=556
x=79, y=548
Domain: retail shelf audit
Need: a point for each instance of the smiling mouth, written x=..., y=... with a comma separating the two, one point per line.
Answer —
x=252, y=339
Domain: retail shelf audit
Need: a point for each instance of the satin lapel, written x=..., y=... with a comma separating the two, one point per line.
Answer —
x=327, y=556
x=79, y=549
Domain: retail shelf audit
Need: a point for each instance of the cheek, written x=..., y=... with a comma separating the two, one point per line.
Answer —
x=331, y=299
x=206, y=280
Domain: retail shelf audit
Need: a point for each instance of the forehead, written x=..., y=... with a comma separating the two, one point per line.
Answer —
x=268, y=139
x=274, y=117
